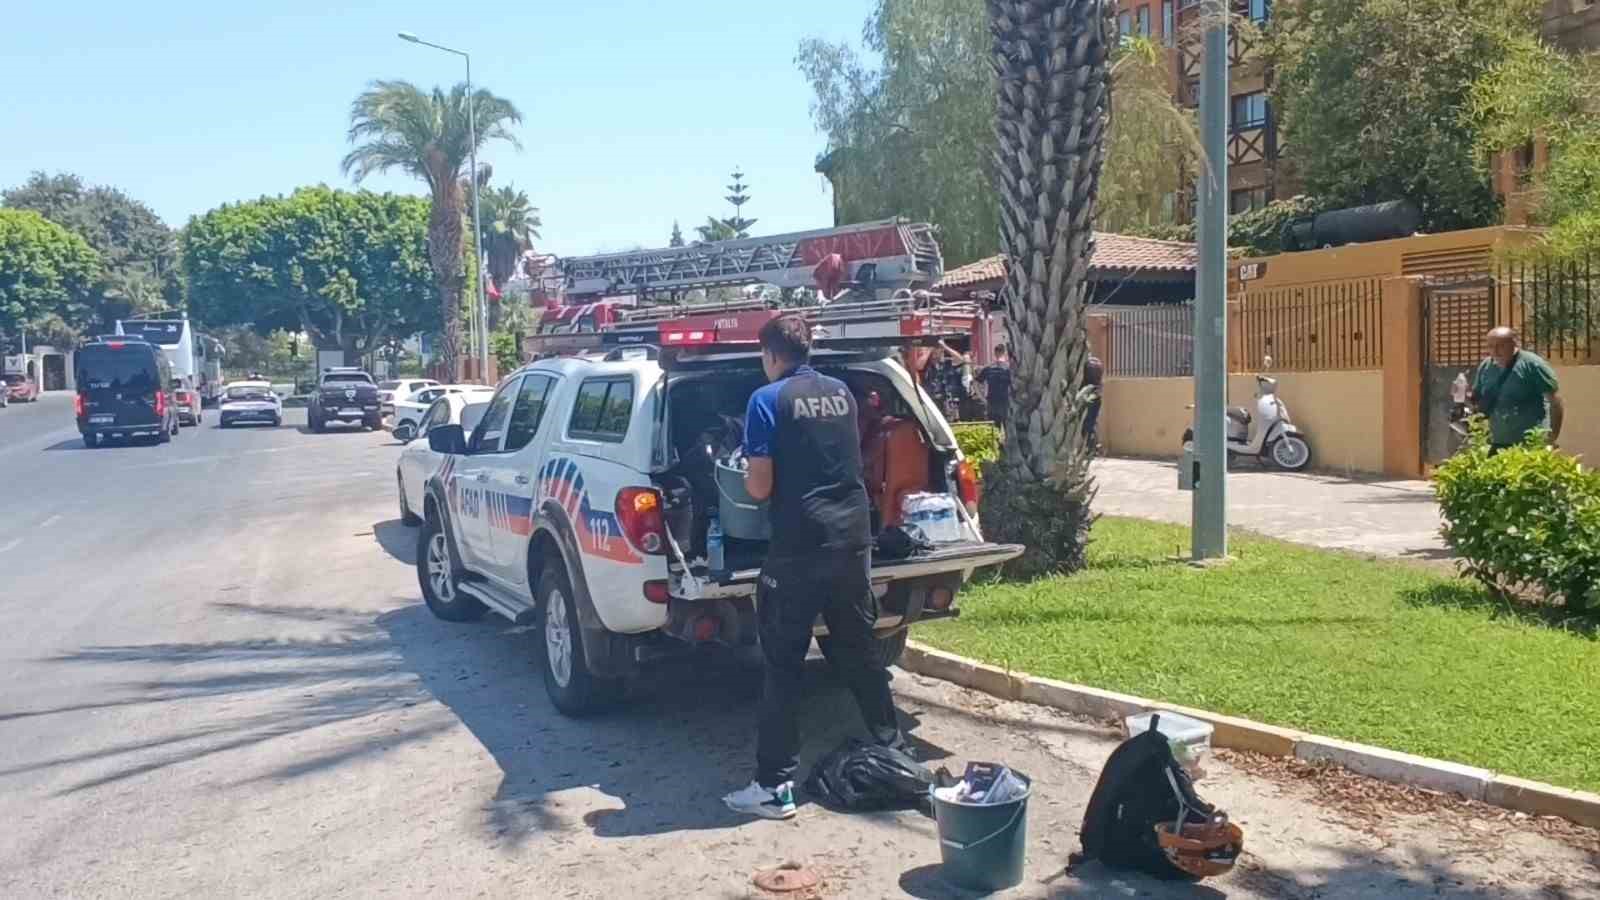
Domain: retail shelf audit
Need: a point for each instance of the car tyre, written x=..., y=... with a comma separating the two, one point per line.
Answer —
x=165, y=437
x=316, y=423
x=277, y=421
x=92, y=441
x=884, y=651
x=407, y=517
x=574, y=690
x=402, y=432
x=439, y=580
x=373, y=424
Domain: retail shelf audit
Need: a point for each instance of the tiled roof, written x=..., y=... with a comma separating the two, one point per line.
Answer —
x=1112, y=252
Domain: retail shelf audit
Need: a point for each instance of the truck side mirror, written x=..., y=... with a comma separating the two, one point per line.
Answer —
x=448, y=439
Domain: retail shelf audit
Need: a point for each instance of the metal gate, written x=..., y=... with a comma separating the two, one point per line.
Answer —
x=1455, y=317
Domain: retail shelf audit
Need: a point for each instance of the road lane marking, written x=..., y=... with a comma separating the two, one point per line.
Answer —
x=11, y=545
x=50, y=521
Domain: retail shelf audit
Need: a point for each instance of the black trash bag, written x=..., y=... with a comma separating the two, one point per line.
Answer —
x=901, y=542
x=862, y=777
x=1134, y=793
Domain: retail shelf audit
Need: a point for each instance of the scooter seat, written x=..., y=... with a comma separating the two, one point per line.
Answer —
x=1239, y=414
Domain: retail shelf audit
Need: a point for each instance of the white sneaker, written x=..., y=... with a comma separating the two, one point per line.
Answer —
x=755, y=800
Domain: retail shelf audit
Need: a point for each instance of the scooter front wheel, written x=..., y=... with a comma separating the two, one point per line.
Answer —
x=1290, y=453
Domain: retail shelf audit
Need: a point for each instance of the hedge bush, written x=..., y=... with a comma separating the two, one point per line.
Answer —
x=1524, y=519
x=979, y=442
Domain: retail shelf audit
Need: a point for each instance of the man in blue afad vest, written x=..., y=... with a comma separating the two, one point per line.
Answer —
x=805, y=454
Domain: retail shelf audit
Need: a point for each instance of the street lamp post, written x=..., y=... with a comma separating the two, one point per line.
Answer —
x=481, y=322
x=1209, y=534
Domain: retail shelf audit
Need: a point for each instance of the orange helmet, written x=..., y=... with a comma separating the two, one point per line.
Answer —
x=1202, y=849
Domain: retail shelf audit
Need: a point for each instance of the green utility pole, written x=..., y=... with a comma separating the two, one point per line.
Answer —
x=1210, y=523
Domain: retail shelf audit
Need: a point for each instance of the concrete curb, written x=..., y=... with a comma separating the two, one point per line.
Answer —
x=1531, y=797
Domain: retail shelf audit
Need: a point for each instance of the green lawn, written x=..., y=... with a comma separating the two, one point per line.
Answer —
x=1378, y=652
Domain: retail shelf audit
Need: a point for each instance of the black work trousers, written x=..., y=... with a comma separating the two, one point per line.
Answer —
x=791, y=594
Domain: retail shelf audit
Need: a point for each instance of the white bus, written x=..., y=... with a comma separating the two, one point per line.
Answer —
x=196, y=358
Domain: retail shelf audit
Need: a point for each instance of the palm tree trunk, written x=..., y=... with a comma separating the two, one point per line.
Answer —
x=444, y=253
x=1051, y=115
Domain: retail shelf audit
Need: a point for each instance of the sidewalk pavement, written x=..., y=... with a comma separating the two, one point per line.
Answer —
x=1377, y=516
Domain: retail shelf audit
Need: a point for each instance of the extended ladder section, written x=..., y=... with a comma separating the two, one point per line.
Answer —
x=734, y=328
x=886, y=255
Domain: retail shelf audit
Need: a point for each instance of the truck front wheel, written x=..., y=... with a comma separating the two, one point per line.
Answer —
x=573, y=689
x=884, y=651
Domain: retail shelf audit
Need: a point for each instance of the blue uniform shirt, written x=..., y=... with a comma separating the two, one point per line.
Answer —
x=805, y=423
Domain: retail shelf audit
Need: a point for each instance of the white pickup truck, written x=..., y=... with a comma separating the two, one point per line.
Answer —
x=577, y=505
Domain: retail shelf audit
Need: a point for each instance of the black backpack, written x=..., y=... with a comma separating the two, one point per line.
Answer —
x=1139, y=787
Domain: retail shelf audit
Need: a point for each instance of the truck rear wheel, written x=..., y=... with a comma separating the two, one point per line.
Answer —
x=572, y=688
x=884, y=651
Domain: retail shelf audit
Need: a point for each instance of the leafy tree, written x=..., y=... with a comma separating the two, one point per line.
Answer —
x=395, y=124
x=47, y=275
x=346, y=268
x=1373, y=95
x=677, y=236
x=910, y=126
x=1052, y=104
x=506, y=347
x=138, y=252
x=1541, y=93
x=1153, y=148
x=908, y=120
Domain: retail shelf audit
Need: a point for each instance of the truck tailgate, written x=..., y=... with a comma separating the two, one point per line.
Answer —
x=950, y=558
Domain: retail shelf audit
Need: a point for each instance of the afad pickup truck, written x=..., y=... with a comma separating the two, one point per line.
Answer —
x=578, y=506
x=344, y=395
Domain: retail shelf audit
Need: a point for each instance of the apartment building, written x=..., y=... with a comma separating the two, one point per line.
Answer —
x=1257, y=173
x=1260, y=164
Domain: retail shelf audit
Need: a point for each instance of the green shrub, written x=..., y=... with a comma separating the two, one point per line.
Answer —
x=1524, y=519
x=979, y=442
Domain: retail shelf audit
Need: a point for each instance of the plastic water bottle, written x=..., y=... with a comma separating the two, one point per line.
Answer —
x=1458, y=388
x=716, y=559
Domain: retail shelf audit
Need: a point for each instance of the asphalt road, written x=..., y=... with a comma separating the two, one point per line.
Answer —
x=217, y=680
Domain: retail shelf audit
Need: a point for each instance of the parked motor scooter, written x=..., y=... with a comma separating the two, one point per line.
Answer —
x=1276, y=439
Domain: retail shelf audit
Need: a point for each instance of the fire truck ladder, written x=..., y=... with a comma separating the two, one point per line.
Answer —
x=889, y=254
x=903, y=321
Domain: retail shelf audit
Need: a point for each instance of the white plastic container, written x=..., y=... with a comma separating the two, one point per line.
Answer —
x=935, y=514
x=1190, y=738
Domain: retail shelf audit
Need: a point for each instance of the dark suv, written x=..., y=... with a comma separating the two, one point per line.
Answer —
x=124, y=391
x=344, y=395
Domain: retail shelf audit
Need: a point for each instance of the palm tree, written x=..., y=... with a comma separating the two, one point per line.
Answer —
x=510, y=223
x=1053, y=107
x=395, y=124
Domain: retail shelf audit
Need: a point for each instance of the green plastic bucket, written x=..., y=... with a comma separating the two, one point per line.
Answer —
x=982, y=846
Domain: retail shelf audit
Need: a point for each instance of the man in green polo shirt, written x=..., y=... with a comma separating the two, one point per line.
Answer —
x=1511, y=388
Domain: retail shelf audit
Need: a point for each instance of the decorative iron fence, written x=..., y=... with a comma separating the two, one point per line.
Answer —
x=1554, y=307
x=1151, y=341
x=1309, y=328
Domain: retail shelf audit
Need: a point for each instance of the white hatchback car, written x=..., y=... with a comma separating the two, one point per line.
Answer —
x=408, y=411
x=250, y=401
x=390, y=391
x=418, y=462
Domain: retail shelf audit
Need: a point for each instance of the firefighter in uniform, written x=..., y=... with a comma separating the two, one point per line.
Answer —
x=804, y=447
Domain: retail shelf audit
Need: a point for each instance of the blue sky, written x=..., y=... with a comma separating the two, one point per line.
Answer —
x=634, y=111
